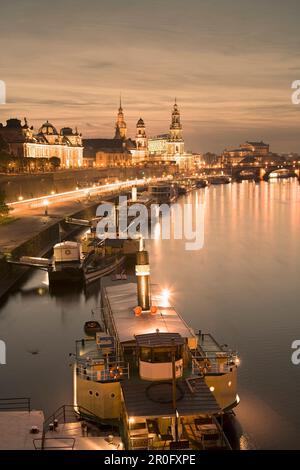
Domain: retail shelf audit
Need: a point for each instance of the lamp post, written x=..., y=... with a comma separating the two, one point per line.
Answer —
x=46, y=205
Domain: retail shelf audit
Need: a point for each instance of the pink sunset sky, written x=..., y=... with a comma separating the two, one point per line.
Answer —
x=230, y=64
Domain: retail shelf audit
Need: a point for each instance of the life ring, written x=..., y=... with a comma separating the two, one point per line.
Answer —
x=67, y=252
x=115, y=372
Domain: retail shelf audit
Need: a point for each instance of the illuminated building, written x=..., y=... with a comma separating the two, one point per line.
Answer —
x=121, y=127
x=140, y=152
x=46, y=143
x=254, y=149
x=123, y=151
x=170, y=147
x=157, y=145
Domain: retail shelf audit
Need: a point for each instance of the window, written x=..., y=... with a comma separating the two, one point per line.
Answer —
x=159, y=354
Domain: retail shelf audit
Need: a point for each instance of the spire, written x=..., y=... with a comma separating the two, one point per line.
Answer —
x=121, y=128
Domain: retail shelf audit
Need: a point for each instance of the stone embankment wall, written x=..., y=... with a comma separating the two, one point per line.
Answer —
x=41, y=184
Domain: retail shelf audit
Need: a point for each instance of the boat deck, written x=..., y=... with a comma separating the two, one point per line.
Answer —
x=121, y=298
x=15, y=429
x=71, y=436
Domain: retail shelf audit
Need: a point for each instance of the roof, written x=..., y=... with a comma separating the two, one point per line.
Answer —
x=92, y=146
x=261, y=143
x=159, y=339
x=151, y=398
x=249, y=159
x=122, y=297
x=140, y=122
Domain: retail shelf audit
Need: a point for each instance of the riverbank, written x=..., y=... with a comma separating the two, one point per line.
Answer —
x=28, y=186
x=35, y=236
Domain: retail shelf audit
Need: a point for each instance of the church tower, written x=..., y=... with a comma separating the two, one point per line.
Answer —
x=141, y=137
x=175, y=141
x=121, y=128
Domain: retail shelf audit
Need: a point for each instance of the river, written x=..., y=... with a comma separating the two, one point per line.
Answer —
x=242, y=286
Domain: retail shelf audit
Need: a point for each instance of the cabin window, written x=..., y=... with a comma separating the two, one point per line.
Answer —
x=159, y=355
x=145, y=354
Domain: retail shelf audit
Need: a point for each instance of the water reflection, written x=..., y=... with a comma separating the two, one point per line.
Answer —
x=243, y=286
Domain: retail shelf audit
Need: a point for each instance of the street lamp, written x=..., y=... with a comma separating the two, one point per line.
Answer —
x=46, y=204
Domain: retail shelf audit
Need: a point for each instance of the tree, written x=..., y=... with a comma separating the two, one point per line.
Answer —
x=3, y=145
x=4, y=209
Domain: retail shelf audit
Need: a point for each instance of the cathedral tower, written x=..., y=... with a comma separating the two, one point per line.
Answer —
x=121, y=128
x=141, y=137
x=175, y=141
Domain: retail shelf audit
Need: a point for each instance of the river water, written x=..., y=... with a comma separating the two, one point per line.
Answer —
x=242, y=286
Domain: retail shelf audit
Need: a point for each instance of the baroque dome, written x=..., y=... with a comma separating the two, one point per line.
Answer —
x=48, y=129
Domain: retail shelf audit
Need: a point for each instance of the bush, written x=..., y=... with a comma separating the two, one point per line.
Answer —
x=4, y=209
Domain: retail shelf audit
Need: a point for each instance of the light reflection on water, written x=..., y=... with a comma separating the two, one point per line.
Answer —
x=243, y=286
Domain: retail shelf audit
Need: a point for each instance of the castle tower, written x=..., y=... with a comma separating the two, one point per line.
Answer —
x=121, y=128
x=141, y=137
x=175, y=142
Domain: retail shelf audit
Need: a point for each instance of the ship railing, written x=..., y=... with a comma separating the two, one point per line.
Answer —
x=65, y=414
x=15, y=404
x=112, y=371
x=54, y=443
x=214, y=363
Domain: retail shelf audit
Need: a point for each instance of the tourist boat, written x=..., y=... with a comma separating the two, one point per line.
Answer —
x=169, y=386
x=70, y=265
x=185, y=186
x=162, y=193
x=220, y=179
x=201, y=183
x=67, y=263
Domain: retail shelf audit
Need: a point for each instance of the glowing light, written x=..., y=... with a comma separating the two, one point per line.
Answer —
x=52, y=192
x=212, y=389
x=237, y=361
x=229, y=383
x=131, y=420
x=165, y=295
x=45, y=202
x=237, y=399
x=60, y=197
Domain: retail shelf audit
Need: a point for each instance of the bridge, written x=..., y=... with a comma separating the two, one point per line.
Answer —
x=256, y=170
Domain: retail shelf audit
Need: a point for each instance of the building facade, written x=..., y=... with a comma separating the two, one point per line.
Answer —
x=254, y=149
x=123, y=151
x=24, y=142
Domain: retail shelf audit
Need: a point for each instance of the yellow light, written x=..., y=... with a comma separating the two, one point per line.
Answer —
x=212, y=389
x=237, y=399
x=52, y=192
x=165, y=295
x=20, y=198
x=131, y=420
x=237, y=361
x=45, y=202
x=229, y=383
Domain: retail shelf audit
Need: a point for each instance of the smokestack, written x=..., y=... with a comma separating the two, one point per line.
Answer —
x=142, y=271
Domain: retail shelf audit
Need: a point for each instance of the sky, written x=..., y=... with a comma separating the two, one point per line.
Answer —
x=230, y=63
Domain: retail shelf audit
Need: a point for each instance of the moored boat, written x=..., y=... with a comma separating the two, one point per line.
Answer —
x=168, y=385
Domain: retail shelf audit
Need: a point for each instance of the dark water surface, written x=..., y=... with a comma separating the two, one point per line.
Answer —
x=243, y=286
